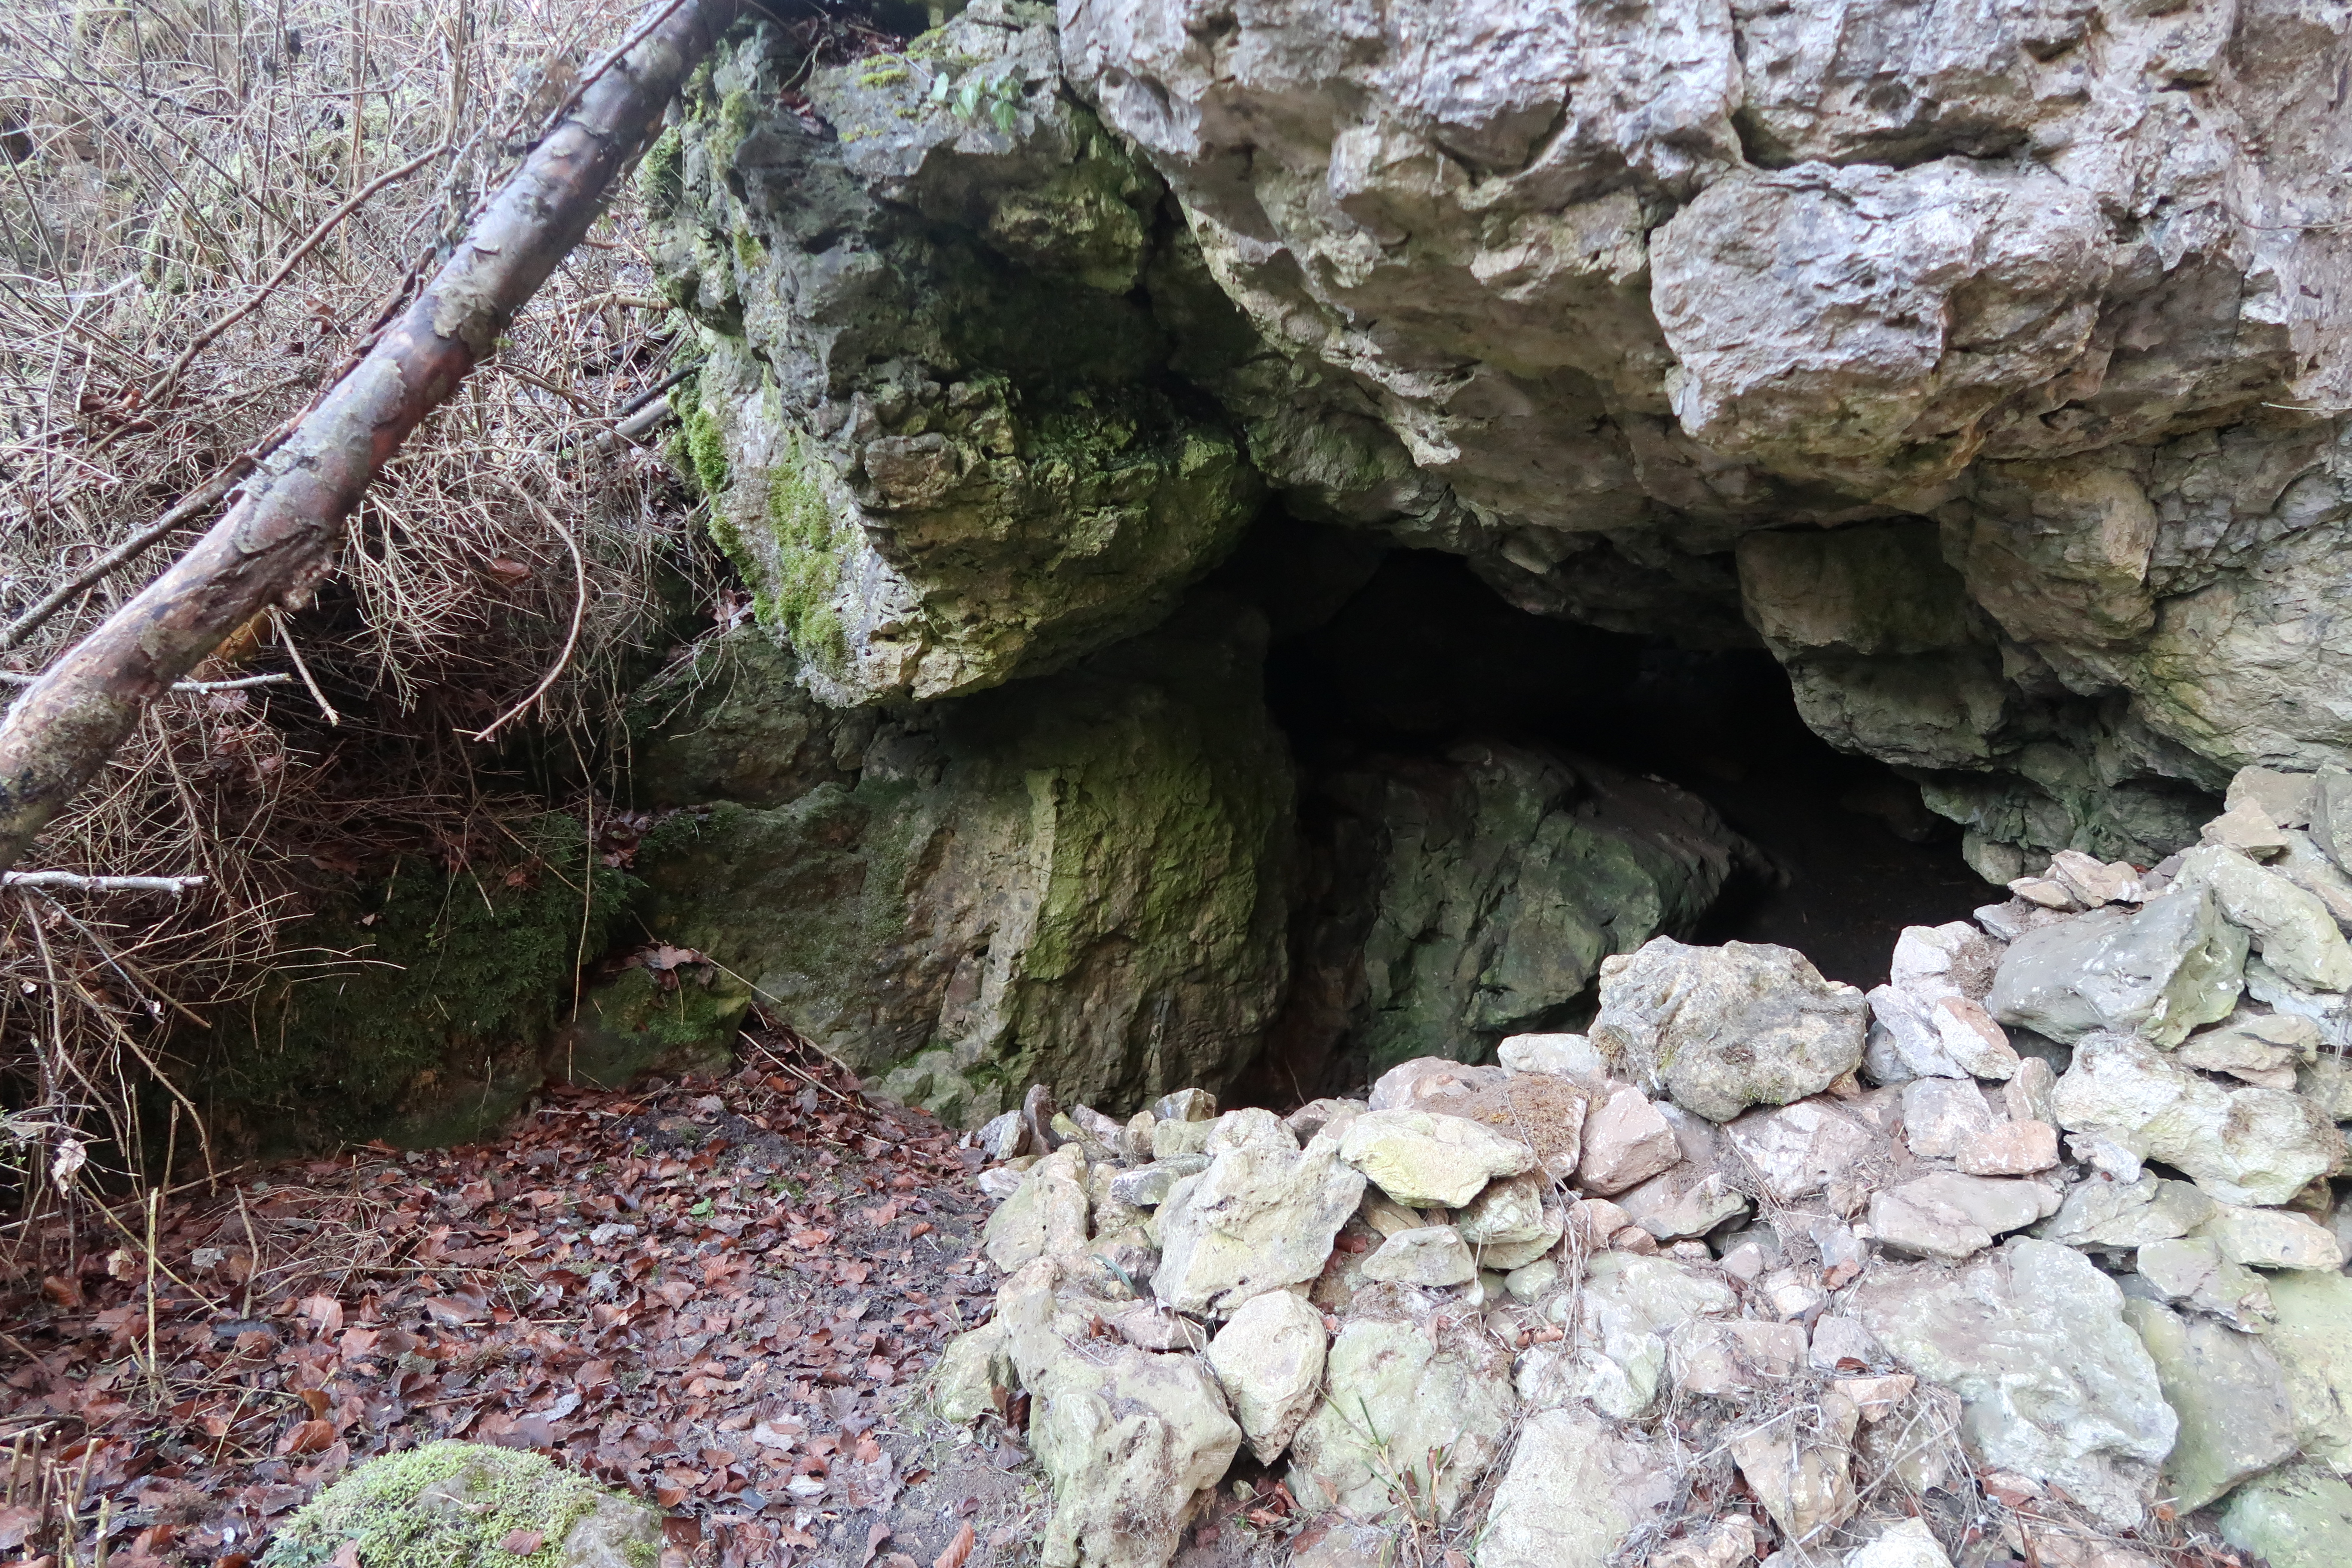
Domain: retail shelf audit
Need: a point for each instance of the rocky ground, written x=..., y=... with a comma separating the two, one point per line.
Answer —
x=2031, y=1254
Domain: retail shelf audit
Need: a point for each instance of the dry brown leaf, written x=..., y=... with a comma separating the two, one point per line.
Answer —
x=522, y=1542
x=308, y=1437
x=956, y=1550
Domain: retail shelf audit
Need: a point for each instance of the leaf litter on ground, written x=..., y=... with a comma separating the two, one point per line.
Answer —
x=712, y=1294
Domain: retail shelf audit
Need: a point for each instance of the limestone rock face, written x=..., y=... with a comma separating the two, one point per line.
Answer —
x=1083, y=879
x=940, y=436
x=1590, y=294
x=1719, y=1029
x=1476, y=895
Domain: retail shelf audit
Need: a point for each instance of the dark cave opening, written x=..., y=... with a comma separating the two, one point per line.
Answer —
x=1422, y=657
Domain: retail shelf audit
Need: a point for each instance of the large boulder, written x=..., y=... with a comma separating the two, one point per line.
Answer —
x=1717, y=1029
x=1083, y=879
x=943, y=441
x=2057, y=1387
x=2162, y=969
x=2230, y=1394
x=460, y=1504
x=2241, y=1145
x=1260, y=1217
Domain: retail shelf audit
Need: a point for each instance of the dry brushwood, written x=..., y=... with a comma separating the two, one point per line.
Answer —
x=281, y=536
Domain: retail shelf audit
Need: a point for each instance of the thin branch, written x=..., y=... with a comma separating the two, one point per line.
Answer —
x=310, y=684
x=174, y=886
x=270, y=285
x=571, y=638
x=18, y=677
x=196, y=502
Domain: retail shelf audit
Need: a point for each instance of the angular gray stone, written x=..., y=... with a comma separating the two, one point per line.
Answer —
x=1798, y=1150
x=1269, y=1360
x=1908, y=1544
x=2292, y=929
x=1568, y=1056
x=1941, y=1116
x=1578, y=1485
x=1432, y=1257
x=2250, y=1146
x=2312, y=1341
x=1949, y=1215
x=1420, y=1158
x=1719, y=1029
x=2193, y=1271
x=1261, y=1216
x=2297, y=1518
x=2120, y=1217
x=1130, y=1442
x=2174, y=964
x=1396, y=1393
x=2230, y=1397
x=1683, y=1203
x=1045, y=1216
x=2273, y=1238
x=2056, y=1387
x=1801, y=1470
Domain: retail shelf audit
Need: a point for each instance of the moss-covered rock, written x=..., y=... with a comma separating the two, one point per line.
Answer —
x=1083, y=879
x=435, y=1006
x=468, y=1505
x=943, y=441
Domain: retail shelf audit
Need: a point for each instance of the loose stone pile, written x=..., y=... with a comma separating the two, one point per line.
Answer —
x=2029, y=1247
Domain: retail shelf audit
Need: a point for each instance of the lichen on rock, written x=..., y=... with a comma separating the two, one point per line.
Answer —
x=942, y=440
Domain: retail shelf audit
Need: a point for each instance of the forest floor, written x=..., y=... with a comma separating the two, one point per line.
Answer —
x=719, y=1296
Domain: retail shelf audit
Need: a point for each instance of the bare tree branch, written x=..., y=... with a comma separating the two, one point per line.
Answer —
x=281, y=535
x=174, y=886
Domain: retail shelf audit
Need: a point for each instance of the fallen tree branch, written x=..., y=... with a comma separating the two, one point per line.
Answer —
x=18, y=677
x=282, y=534
x=174, y=886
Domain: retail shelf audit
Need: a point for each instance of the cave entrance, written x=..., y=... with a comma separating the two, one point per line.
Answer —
x=1404, y=668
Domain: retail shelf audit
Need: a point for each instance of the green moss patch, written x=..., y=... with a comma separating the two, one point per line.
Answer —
x=458, y=1505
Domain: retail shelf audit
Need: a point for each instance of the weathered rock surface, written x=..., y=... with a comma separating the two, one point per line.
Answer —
x=1767, y=267
x=1399, y=1395
x=1261, y=1216
x=928, y=490
x=1578, y=1486
x=1476, y=895
x=1419, y=1158
x=1269, y=1358
x=1129, y=1444
x=2243, y=1146
x=2230, y=1397
x=2058, y=1388
x=2297, y=1518
x=2167, y=968
x=1083, y=879
x=1720, y=1029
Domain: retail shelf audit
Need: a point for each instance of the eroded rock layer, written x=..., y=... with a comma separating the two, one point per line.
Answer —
x=2021, y=328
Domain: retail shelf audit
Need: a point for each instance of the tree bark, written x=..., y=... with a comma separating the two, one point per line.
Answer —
x=282, y=534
